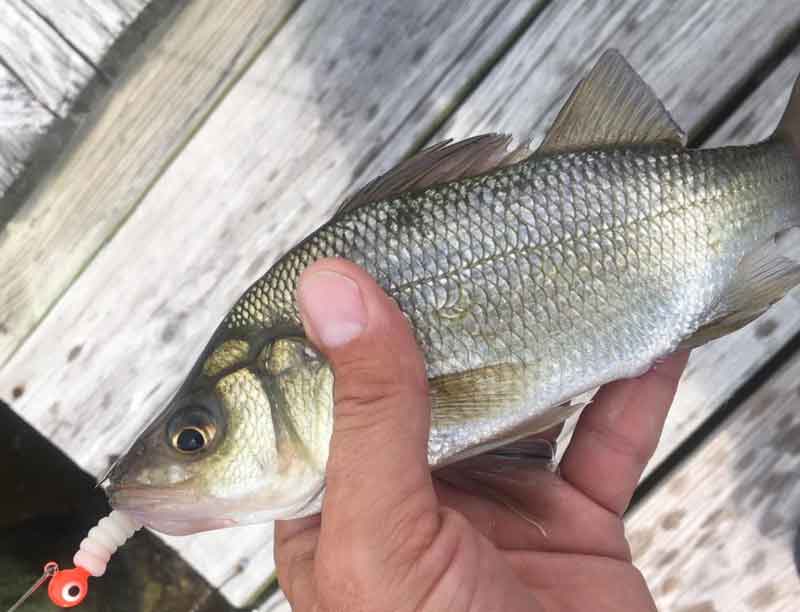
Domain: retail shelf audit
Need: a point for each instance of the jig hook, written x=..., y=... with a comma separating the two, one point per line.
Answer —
x=69, y=587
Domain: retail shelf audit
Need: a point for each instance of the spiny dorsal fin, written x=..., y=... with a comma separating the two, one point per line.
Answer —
x=440, y=163
x=612, y=105
x=762, y=278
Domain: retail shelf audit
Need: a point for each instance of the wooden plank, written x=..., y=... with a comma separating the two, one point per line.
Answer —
x=23, y=120
x=49, y=68
x=677, y=48
x=147, y=118
x=718, y=535
x=52, y=49
x=276, y=603
x=90, y=26
x=124, y=333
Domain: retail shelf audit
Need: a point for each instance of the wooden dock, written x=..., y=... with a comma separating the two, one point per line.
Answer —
x=157, y=156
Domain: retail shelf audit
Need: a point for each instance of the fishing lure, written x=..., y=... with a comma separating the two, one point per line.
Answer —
x=69, y=587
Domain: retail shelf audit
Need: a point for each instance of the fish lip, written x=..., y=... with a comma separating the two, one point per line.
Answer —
x=171, y=511
x=180, y=526
x=141, y=495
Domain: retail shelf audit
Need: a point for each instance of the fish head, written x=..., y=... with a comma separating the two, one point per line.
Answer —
x=244, y=440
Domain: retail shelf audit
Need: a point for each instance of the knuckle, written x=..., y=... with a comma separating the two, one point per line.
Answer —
x=360, y=387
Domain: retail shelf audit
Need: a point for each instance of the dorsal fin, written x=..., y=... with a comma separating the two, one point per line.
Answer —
x=612, y=105
x=440, y=163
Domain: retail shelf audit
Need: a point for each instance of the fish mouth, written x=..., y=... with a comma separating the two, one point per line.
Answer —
x=169, y=511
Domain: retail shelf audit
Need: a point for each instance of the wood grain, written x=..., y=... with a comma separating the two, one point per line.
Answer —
x=23, y=121
x=719, y=535
x=51, y=50
x=91, y=27
x=49, y=68
x=147, y=118
x=330, y=100
x=40, y=75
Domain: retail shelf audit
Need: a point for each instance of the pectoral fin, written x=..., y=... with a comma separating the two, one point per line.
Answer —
x=476, y=394
x=481, y=395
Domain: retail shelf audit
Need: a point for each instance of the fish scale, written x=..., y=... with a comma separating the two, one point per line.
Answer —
x=521, y=299
x=528, y=277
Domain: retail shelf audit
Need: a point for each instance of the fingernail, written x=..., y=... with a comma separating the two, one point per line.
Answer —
x=332, y=304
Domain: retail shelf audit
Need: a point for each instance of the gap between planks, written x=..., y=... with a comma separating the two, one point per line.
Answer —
x=51, y=53
x=109, y=167
x=718, y=536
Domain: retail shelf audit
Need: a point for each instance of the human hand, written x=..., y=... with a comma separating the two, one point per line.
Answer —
x=393, y=537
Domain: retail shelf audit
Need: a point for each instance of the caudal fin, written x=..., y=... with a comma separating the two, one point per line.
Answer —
x=788, y=129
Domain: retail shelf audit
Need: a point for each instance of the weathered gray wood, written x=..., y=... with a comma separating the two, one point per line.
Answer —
x=718, y=536
x=90, y=26
x=23, y=120
x=692, y=53
x=239, y=560
x=758, y=115
x=52, y=70
x=147, y=118
x=249, y=185
x=276, y=603
x=52, y=49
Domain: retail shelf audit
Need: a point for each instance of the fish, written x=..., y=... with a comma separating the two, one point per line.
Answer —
x=529, y=277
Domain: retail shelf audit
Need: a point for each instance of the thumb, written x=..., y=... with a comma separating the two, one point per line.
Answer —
x=377, y=481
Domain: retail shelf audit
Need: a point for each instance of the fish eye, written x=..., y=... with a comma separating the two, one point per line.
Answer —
x=189, y=440
x=192, y=430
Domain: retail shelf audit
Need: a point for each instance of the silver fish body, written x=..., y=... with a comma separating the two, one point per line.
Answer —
x=546, y=265
x=527, y=277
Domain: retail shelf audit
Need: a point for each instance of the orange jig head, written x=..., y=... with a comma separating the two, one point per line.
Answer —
x=69, y=587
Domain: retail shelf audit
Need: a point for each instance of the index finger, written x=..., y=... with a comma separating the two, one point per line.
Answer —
x=617, y=435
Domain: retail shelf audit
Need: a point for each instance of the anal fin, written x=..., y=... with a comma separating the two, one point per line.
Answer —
x=763, y=277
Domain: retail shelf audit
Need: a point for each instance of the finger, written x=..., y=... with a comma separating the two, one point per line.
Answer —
x=618, y=433
x=295, y=545
x=564, y=582
x=378, y=483
x=534, y=511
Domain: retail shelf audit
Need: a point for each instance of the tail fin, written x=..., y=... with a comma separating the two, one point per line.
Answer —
x=788, y=129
